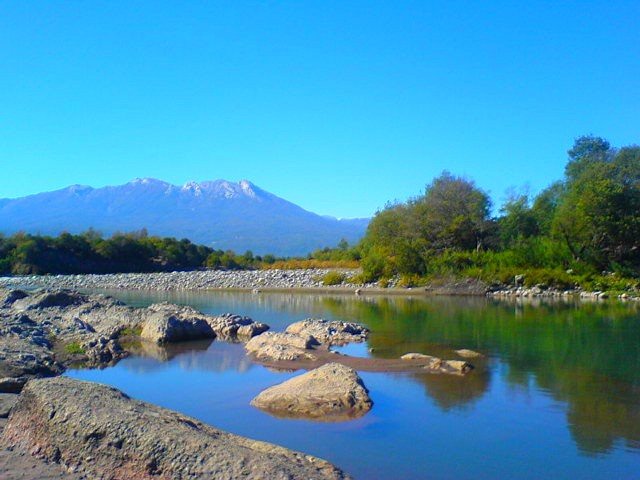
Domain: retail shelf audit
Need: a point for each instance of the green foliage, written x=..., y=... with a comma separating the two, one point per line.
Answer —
x=131, y=332
x=333, y=278
x=588, y=223
x=23, y=254
x=74, y=348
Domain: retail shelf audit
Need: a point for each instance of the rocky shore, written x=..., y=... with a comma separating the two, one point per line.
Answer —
x=257, y=281
x=191, y=280
x=94, y=431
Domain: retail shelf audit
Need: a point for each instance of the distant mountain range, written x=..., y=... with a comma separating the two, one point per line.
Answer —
x=221, y=214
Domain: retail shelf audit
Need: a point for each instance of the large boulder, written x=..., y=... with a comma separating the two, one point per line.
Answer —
x=100, y=432
x=275, y=347
x=330, y=332
x=226, y=326
x=164, y=327
x=330, y=392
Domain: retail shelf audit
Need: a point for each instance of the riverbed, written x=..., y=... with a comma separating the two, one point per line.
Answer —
x=556, y=396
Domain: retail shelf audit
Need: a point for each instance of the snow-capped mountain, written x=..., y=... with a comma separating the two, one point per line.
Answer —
x=227, y=215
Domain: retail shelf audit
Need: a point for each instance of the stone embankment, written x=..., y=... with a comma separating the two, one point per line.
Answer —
x=192, y=280
x=97, y=431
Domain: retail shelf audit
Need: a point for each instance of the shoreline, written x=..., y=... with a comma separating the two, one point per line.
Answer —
x=304, y=281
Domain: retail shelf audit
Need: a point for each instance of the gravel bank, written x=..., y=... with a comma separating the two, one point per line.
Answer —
x=194, y=280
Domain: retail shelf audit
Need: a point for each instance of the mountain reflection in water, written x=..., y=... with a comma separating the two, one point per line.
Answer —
x=560, y=383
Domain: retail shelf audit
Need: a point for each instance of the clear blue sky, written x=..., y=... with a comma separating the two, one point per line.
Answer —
x=337, y=106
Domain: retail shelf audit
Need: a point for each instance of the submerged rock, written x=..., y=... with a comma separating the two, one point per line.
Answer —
x=331, y=392
x=330, y=332
x=438, y=365
x=275, y=347
x=466, y=353
x=100, y=432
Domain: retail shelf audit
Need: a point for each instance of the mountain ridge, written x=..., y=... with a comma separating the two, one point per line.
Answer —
x=219, y=213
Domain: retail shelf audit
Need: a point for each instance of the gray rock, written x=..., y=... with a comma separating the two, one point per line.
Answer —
x=100, y=432
x=226, y=326
x=330, y=332
x=164, y=327
x=236, y=327
x=22, y=360
x=275, y=347
x=8, y=297
x=48, y=299
x=7, y=401
x=328, y=393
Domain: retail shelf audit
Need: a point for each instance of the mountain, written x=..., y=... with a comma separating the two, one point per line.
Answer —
x=226, y=215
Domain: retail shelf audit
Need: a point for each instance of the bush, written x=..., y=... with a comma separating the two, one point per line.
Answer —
x=333, y=278
x=74, y=348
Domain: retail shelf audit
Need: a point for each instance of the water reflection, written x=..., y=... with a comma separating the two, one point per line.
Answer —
x=189, y=356
x=585, y=356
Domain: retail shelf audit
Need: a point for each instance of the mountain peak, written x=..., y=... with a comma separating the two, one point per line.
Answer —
x=228, y=215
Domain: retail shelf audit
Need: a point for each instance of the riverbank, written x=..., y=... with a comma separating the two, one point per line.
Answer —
x=294, y=280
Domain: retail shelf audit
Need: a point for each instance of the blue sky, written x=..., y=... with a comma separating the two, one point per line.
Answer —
x=336, y=106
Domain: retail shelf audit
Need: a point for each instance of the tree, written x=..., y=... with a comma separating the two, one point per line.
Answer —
x=599, y=215
x=518, y=220
x=453, y=213
x=586, y=150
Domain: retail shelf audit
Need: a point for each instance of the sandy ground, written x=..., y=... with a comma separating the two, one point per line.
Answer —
x=16, y=465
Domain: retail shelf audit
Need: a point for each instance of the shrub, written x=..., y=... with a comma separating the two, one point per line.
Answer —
x=74, y=348
x=333, y=278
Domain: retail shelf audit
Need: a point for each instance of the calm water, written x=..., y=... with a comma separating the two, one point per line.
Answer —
x=558, y=395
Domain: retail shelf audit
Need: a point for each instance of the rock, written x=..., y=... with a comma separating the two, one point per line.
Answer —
x=518, y=280
x=22, y=360
x=272, y=346
x=439, y=365
x=7, y=401
x=48, y=299
x=330, y=392
x=415, y=356
x=101, y=433
x=226, y=326
x=455, y=366
x=8, y=297
x=236, y=327
x=330, y=332
x=466, y=353
x=163, y=327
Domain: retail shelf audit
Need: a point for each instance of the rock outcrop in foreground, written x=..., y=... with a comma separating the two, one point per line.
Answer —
x=100, y=432
x=330, y=332
x=43, y=332
x=332, y=392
